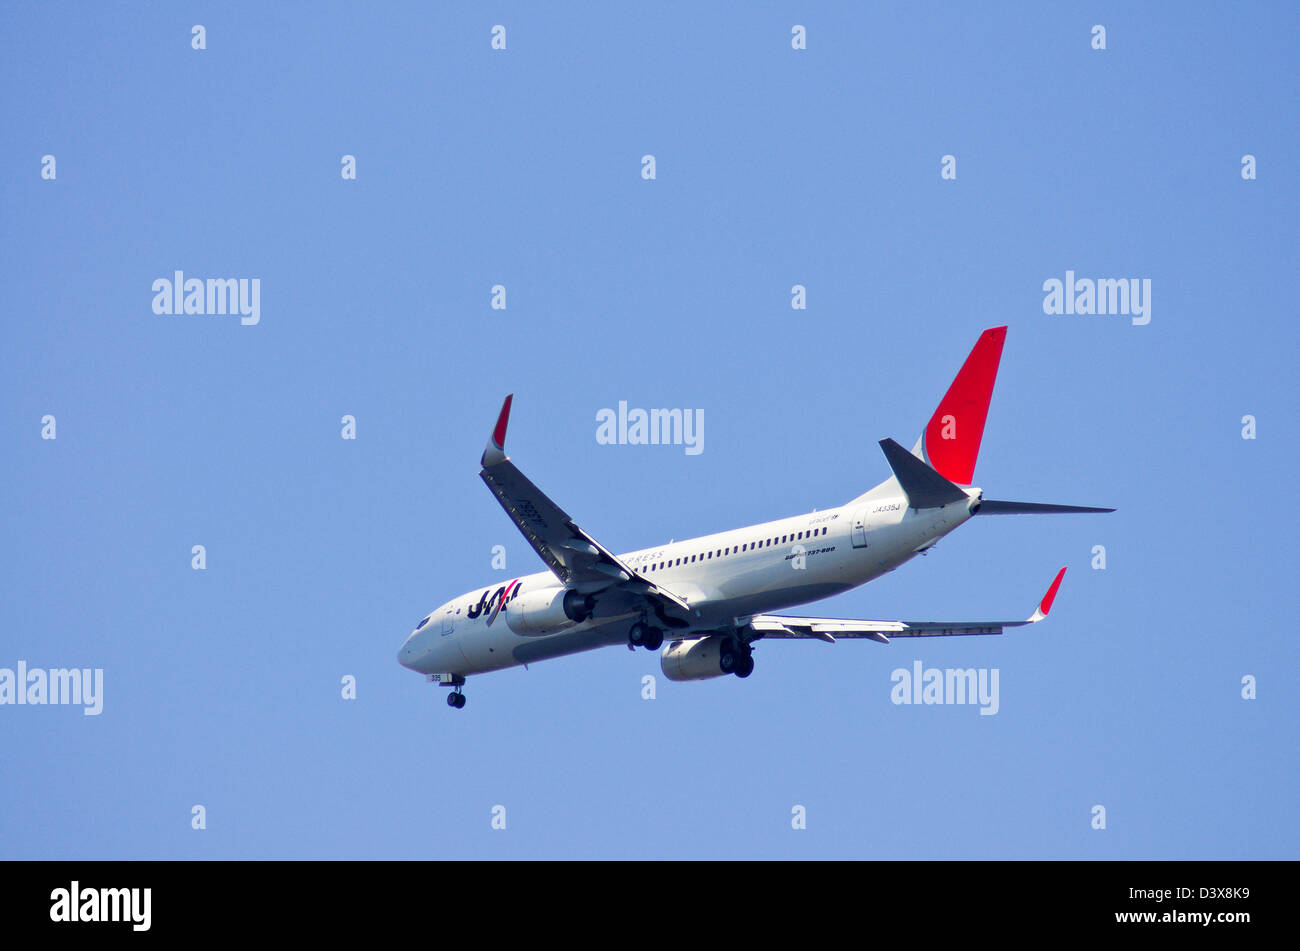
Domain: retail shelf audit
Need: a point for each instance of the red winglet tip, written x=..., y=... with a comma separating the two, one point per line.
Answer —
x=1045, y=605
x=499, y=431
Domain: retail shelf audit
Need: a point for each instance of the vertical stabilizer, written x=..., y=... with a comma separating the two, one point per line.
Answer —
x=950, y=443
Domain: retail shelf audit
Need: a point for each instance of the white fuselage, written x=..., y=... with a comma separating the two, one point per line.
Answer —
x=725, y=578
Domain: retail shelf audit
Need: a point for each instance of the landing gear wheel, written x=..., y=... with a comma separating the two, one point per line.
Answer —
x=745, y=667
x=456, y=700
x=637, y=634
x=654, y=639
x=728, y=659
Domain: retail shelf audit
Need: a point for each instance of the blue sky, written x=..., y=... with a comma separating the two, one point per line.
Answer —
x=522, y=167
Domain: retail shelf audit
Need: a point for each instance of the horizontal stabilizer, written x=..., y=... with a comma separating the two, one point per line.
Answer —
x=925, y=488
x=995, y=507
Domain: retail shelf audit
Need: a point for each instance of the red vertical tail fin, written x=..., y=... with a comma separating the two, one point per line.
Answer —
x=951, y=440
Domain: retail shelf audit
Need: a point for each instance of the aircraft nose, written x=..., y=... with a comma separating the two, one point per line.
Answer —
x=406, y=654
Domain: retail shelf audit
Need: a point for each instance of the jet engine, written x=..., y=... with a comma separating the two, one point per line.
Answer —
x=578, y=606
x=540, y=611
x=696, y=659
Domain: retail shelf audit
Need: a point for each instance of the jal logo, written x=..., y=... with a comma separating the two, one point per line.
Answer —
x=493, y=604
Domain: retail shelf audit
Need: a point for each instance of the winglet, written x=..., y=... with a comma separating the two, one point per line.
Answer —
x=496, y=448
x=1045, y=605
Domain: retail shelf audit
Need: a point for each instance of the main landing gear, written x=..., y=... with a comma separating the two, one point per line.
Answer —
x=736, y=659
x=643, y=635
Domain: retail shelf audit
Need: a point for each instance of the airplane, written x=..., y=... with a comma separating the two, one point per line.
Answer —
x=710, y=597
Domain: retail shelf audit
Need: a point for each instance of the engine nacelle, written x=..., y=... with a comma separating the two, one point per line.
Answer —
x=540, y=611
x=696, y=659
x=578, y=606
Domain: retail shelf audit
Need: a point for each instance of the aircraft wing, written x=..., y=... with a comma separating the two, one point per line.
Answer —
x=832, y=629
x=576, y=559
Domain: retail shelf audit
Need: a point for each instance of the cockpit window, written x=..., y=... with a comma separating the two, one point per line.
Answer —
x=422, y=623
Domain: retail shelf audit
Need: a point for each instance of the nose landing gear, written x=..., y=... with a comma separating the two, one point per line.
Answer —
x=455, y=699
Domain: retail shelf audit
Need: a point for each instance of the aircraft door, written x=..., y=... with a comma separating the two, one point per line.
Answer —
x=860, y=528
